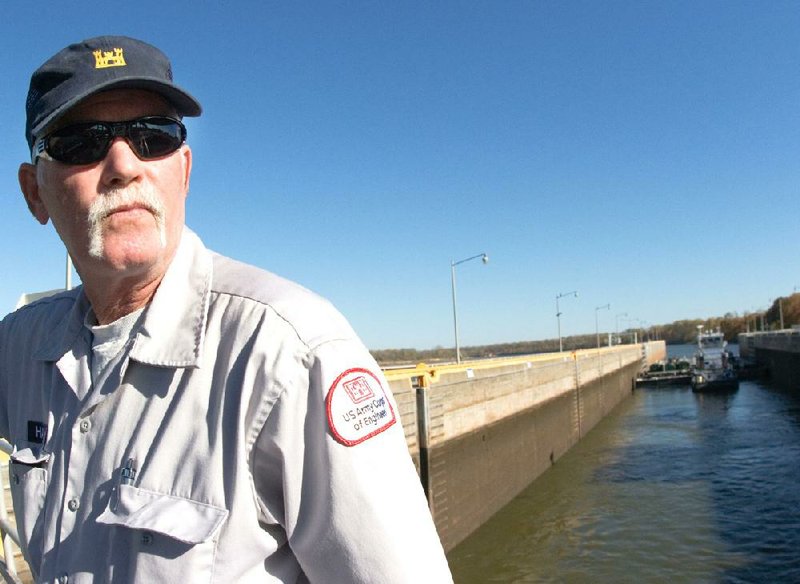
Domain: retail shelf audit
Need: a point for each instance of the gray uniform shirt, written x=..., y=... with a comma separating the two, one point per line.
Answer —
x=244, y=435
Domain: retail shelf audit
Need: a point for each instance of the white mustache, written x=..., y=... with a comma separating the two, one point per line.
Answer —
x=138, y=195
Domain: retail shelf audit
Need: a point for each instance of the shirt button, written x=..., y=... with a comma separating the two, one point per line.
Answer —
x=147, y=538
x=73, y=504
x=85, y=425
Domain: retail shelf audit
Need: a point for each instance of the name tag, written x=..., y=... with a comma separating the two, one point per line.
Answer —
x=37, y=432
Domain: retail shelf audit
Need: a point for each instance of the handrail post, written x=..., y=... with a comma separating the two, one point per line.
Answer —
x=423, y=440
x=8, y=550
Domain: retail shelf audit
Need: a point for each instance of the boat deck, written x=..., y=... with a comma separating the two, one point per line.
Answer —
x=663, y=377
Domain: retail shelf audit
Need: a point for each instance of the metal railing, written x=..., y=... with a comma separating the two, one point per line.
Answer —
x=8, y=532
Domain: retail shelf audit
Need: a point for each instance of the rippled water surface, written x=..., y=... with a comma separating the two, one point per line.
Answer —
x=673, y=486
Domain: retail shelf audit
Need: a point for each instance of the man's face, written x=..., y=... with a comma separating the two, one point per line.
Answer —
x=121, y=216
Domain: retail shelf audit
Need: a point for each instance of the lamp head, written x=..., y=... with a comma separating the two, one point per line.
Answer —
x=485, y=259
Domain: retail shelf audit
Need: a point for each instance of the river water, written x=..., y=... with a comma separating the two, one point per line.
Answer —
x=672, y=486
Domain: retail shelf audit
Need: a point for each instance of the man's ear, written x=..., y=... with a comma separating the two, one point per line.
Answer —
x=187, y=166
x=29, y=184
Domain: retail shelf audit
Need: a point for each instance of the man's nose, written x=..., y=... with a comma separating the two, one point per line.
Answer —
x=121, y=165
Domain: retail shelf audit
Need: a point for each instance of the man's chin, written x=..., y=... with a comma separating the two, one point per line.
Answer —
x=125, y=252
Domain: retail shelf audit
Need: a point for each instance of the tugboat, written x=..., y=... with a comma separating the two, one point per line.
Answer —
x=712, y=369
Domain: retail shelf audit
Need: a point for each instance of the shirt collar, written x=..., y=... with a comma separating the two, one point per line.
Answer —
x=65, y=333
x=173, y=329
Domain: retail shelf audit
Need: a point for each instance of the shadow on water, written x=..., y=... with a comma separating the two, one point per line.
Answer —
x=744, y=445
x=673, y=486
x=751, y=443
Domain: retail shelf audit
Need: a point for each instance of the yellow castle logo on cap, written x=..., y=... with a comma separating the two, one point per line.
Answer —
x=103, y=59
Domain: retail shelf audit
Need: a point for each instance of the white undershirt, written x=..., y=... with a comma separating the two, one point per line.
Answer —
x=108, y=340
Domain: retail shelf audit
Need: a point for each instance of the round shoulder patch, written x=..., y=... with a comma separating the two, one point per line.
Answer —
x=358, y=407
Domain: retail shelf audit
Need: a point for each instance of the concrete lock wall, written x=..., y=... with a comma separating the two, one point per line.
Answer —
x=483, y=431
x=777, y=351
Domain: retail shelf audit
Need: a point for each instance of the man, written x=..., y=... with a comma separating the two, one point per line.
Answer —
x=182, y=417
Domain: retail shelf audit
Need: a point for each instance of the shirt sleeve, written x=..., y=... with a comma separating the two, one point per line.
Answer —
x=332, y=465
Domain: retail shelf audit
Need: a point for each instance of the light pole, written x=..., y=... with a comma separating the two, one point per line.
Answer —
x=616, y=324
x=596, y=326
x=485, y=259
x=68, y=280
x=558, y=317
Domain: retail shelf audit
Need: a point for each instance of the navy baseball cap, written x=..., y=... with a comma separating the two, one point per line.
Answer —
x=99, y=64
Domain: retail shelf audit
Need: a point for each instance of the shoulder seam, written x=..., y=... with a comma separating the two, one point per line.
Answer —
x=309, y=346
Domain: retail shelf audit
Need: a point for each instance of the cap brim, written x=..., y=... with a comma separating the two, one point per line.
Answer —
x=184, y=103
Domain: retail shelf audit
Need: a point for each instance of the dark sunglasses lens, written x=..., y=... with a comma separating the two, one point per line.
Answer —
x=79, y=144
x=155, y=137
x=151, y=137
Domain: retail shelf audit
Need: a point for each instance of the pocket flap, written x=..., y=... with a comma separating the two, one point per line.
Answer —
x=177, y=517
x=30, y=457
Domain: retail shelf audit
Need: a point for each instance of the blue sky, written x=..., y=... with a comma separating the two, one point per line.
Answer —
x=645, y=154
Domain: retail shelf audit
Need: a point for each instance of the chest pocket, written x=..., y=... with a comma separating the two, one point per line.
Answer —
x=162, y=538
x=28, y=477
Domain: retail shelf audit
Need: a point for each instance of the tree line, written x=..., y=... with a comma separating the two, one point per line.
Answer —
x=675, y=333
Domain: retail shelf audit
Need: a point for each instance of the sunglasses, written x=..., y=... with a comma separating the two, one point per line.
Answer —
x=88, y=142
